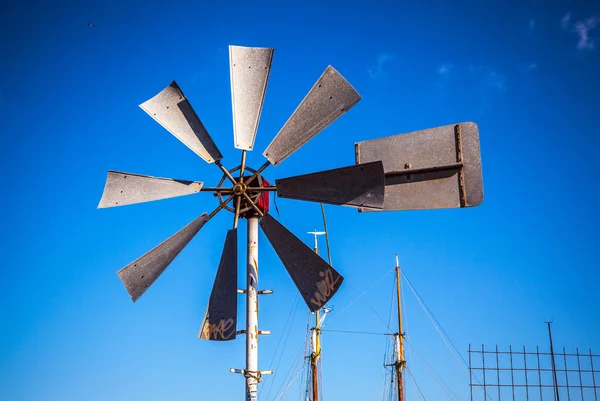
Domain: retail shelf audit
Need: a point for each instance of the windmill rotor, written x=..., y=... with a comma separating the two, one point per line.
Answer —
x=243, y=190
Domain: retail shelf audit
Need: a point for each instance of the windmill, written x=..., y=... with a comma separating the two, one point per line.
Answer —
x=435, y=168
x=247, y=191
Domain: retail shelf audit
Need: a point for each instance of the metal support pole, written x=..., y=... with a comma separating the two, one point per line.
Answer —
x=553, y=364
x=252, y=373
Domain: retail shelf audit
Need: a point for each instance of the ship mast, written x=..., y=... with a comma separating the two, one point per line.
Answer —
x=400, y=363
x=315, y=337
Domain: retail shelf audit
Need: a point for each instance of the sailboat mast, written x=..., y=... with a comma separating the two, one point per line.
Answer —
x=314, y=358
x=400, y=362
x=315, y=339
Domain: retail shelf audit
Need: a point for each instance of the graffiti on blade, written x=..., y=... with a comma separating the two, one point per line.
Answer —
x=325, y=287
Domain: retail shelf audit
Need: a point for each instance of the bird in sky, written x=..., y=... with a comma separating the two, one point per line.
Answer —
x=91, y=25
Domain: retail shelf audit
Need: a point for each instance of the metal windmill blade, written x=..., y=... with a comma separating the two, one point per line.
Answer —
x=141, y=273
x=172, y=110
x=250, y=68
x=361, y=186
x=315, y=279
x=219, y=323
x=127, y=188
x=329, y=98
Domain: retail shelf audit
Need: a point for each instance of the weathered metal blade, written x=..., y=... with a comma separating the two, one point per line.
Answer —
x=315, y=279
x=126, y=189
x=362, y=186
x=250, y=67
x=220, y=319
x=140, y=274
x=172, y=110
x=429, y=169
x=328, y=99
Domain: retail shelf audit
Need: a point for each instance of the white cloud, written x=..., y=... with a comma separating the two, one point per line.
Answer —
x=532, y=22
x=377, y=71
x=583, y=29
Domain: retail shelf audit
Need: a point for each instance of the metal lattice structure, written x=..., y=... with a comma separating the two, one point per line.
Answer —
x=526, y=375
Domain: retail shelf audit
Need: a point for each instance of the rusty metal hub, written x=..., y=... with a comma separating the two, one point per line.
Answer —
x=239, y=189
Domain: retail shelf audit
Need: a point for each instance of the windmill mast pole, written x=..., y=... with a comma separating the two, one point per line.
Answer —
x=400, y=362
x=252, y=373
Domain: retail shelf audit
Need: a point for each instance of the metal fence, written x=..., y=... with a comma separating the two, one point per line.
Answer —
x=526, y=375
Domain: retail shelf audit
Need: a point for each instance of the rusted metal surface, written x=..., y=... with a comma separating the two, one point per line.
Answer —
x=220, y=320
x=249, y=68
x=315, y=279
x=127, y=188
x=140, y=274
x=428, y=169
x=361, y=186
x=172, y=110
x=329, y=98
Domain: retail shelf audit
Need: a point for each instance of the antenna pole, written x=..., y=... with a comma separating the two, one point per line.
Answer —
x=556, y=396
x=400, y=362
x=253, y=375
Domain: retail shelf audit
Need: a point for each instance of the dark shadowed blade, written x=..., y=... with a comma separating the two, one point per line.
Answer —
x=315, y=279
x=361, y=186
x=140, y=274
x=220, y=320
x=429, y=169
x=172, y=110
x=331, y=97
x=250, y=67
x=126, y=189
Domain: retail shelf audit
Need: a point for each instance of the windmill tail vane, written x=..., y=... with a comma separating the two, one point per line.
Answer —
x=244, y=192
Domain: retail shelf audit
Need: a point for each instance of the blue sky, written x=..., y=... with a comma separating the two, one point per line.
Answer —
x=525, y=72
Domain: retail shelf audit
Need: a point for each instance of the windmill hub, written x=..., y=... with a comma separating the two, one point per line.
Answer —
x=239, y=189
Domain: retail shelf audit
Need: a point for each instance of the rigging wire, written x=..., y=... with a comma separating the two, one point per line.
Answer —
x=444, y=336
x=388, y=353
x=442, y=384
x=298, y=360
x=305, y=383
x=415, y=383
x=286, y=334
x=326, y=234
x=360, y=296
x=357, y=332
x=405, y=316
x=289, y=384
x=453, y=350
x=390, y=370
x=380, y=393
